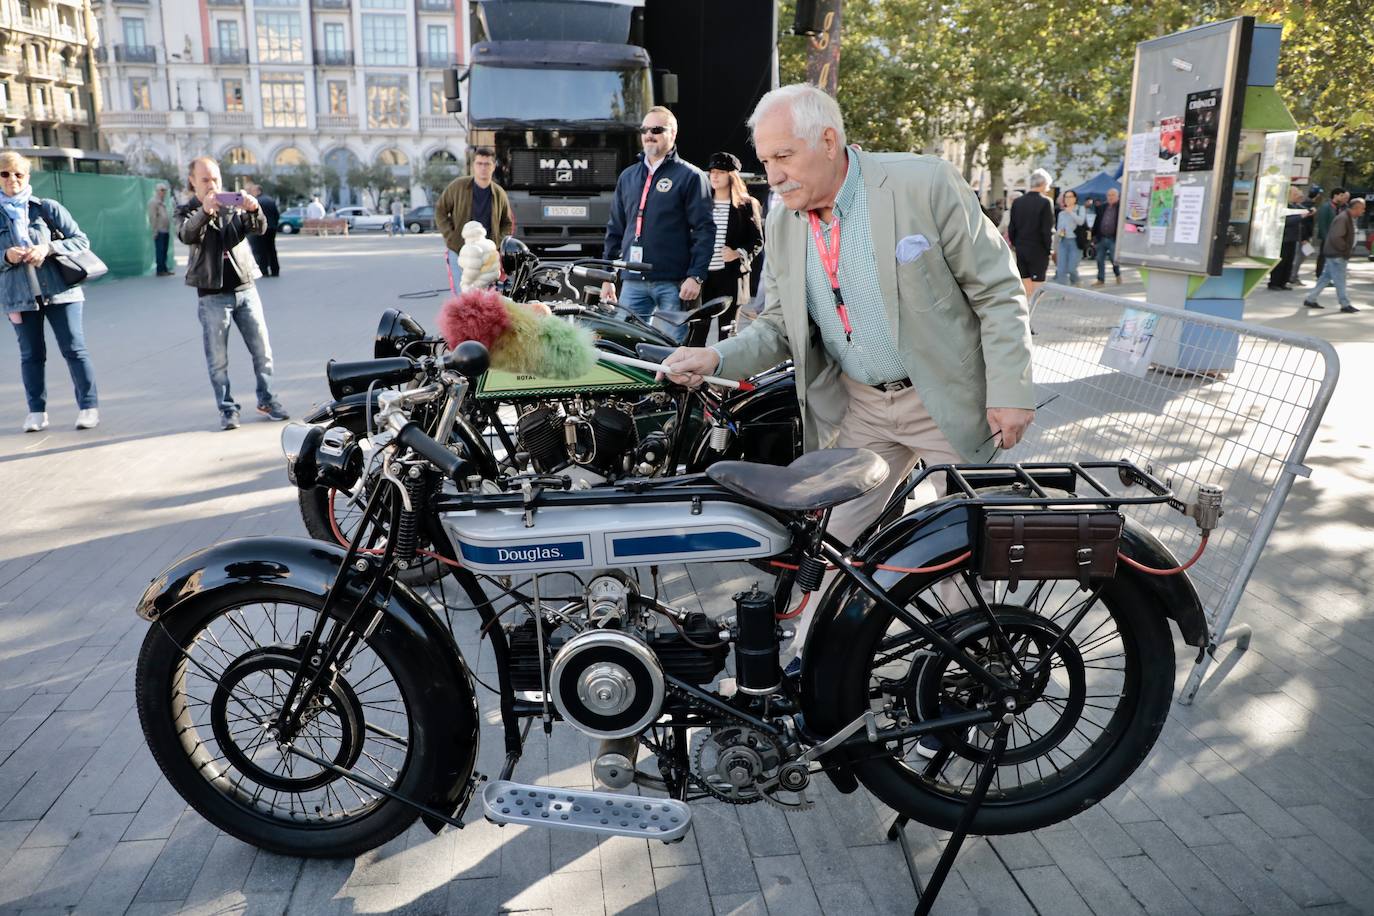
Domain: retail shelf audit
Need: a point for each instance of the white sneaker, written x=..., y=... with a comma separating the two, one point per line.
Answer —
x=87, y=419
x=35, y=421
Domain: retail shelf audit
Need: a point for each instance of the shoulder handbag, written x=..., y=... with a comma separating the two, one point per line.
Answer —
x=75, y=267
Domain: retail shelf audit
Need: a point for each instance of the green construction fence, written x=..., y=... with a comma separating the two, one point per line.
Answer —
x=113, y=212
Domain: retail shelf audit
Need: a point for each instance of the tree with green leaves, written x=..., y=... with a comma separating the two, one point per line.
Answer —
x=436, y=175
x=373, y=181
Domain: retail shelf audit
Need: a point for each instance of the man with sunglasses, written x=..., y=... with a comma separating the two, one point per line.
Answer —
x=661, y=216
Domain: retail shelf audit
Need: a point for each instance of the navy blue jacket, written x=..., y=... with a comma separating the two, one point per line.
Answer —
x=679, y=231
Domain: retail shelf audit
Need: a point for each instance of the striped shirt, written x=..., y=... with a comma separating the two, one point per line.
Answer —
x=871, y=355
x=721, y=214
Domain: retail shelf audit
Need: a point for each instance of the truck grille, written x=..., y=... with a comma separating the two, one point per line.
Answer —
x=564, y=168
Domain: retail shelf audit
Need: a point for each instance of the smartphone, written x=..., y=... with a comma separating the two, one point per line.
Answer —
x=230, y=198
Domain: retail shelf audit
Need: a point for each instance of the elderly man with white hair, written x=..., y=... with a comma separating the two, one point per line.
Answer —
x=912, y=337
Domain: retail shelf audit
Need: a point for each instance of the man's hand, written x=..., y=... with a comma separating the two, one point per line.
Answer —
x=729, y=254
x=690, y=290
x=1009, y=424
x=250, y=203
x=210, y=202
x=608, y=292
x=691, y=364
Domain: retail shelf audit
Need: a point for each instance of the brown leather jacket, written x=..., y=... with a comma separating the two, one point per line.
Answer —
x=454, y=209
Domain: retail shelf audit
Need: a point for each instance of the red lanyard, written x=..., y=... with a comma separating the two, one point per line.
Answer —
x=830, y=263
x=643, y=199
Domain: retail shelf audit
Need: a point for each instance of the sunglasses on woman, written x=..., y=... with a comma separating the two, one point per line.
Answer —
x=11, y=174
x=653, y=130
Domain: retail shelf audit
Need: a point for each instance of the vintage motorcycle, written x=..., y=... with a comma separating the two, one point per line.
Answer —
x=303, y=699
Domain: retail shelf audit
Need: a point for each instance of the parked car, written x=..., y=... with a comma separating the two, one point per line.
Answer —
x=291, y=219
x=362, y=218
x=420, y=219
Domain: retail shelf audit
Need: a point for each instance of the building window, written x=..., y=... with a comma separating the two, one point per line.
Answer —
x=338, y=97
x=383, y=4
x=233, y=94
x=135, y=34
x=238, y=156
x=140, y=94
x=388, y=106
x=228, y=31
x=384, y=39
x=333, y=39
x=283, y=100
x=436, y=41
x=279, y=38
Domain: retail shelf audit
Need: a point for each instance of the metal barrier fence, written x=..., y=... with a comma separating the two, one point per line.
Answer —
x=1199, y=400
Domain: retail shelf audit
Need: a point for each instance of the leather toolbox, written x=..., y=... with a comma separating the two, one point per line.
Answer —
x=1049, y=544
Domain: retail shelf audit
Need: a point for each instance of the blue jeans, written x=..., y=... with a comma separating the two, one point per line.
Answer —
x=33, y=354
x=1106, y=251
x=161, y=243
x=245, y=310
x=1333, y=274
x=644, y=297
x=1066, y=267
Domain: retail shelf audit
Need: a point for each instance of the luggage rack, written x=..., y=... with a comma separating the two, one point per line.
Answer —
x=1035, y=478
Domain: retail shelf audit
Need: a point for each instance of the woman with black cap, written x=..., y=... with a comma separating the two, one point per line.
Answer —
x=739, y=236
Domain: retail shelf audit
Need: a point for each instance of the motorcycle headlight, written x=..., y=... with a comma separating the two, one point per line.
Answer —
x=338, y=459
x=300, y=444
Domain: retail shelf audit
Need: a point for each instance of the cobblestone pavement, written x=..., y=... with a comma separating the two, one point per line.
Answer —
x=1260, y=798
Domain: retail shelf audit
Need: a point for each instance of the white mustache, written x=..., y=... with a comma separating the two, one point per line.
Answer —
x=784, y=188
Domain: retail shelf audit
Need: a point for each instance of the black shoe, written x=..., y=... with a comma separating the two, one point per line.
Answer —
x=165, y=273
x=1279, y=289
x=229, y=420
x=273, y=411
x=1349, y=308
x=1313, y=305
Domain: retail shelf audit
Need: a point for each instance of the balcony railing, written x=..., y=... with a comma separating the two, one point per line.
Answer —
x=436, y=6
x=430, y=59
x=133, y=119
x=33, y=24
x=441, y=124
x=332, y=57
x=102, y=54
x=42, y=71
x=330, y=4
x=231, y=119
x=233, y=3
x=73, y=115
x=41, y=112
x=336, y=122
x=73, y=76
x=132, y=2
x=10, y=63
x=228, y=55
x=136, y=54
x=14, y=111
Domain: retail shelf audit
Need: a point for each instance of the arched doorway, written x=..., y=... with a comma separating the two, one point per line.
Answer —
x=337, y=163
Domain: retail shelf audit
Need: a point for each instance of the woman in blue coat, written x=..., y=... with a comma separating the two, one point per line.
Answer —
x=32, y=289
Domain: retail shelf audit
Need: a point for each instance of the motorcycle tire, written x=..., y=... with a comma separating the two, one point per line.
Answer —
x=192, y=684
x=320, y=512
x=1055, y=790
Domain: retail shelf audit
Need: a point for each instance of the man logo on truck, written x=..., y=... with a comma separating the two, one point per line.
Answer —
x=565, y=164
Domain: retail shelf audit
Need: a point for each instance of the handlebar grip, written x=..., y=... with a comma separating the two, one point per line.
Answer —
x=637, y=266
x=413, y=437
x=591, y=273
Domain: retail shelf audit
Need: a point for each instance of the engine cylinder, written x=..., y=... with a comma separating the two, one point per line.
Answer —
x=756, y=650
x=540, y=433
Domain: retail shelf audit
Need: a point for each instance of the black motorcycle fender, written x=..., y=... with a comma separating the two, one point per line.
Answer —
x=767, y=417
x=845, y=609
x=312, y=566
x=352, y=412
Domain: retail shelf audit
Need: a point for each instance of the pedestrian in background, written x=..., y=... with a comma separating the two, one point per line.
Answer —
x=1069, y=226
x=265, y=246
x=314, y=209
x=1031, y=231
x=1280, y=278
x=661, y=216
x=32, y=289
x=1338, y=247
x=1326, y=214
x=222, y=269
x=739, y=237
x=1104, y=236
x=1307, y=226
x=473, y=197
x=398, y=212
x=160, y=224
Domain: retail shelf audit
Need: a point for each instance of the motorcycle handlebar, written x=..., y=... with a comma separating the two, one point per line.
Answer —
x=414, y=438
x=637, y=266
x=591, y=273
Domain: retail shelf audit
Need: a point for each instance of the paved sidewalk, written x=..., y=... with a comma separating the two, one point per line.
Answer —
x=1260, y=798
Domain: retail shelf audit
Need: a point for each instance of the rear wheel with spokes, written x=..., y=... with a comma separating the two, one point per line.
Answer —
x=211, y=682
x=1096, y=677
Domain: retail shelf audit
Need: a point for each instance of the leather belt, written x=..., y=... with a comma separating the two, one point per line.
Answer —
x=899, y=385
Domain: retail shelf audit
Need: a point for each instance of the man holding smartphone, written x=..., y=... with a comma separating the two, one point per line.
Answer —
x=216, y=224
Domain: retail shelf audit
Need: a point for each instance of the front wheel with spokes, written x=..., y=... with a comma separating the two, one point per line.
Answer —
x=1095, y=675
x=210, y=685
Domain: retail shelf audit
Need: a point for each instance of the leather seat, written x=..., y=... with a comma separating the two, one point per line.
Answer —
x=816, y=480
x=706, y=312
x=653, y=352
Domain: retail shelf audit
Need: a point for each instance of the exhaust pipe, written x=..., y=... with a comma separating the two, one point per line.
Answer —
x=615, y=762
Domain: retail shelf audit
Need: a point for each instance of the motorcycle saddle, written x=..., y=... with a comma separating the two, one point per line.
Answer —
x=706, y=312
x=653, y=352
x=816, y=480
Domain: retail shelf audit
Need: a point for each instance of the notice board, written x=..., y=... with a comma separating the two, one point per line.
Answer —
x=1187, y=94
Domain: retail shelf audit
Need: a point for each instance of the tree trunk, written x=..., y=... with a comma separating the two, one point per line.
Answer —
x=996, y=157
x=823, y=55
x=970, y=153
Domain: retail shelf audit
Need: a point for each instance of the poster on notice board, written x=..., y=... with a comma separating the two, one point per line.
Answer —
x=1200, y=131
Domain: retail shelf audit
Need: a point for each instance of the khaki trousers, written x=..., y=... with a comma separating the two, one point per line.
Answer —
x=897, y=426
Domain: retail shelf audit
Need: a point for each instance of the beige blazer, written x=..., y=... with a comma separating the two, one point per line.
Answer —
x=957, y=311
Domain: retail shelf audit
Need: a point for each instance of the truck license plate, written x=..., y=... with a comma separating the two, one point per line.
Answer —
x=552, y=211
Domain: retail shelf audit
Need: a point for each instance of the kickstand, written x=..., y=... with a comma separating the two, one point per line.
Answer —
x=926, y=895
